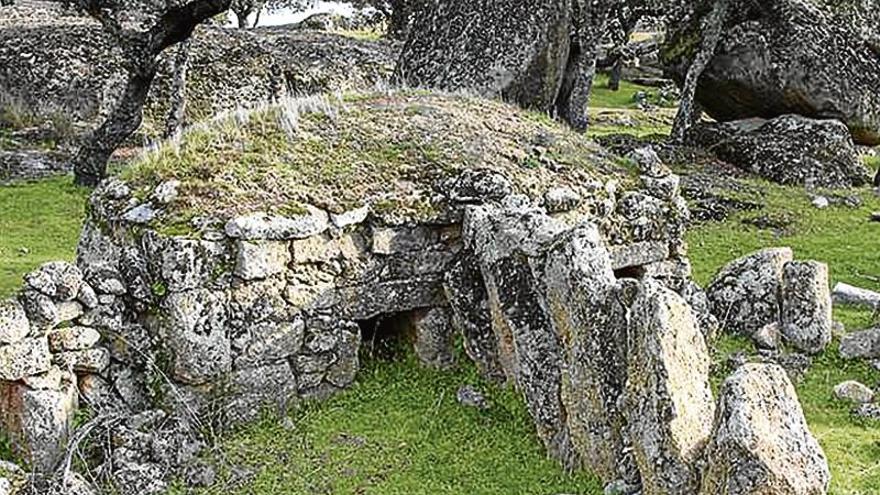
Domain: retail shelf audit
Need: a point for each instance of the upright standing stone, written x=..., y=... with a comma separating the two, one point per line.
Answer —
x=39, y=421
x=517, y=49
x=745, y=295
x=669, y=405
x=509, y=239
x=806, y=306
x=584, y=308
x=761, y=443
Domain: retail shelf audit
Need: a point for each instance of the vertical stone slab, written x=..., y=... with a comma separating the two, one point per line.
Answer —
x=39, y=420
x=806, y=306
x=583, y=304
x=669, y=405
x=509, y=239
x=761, y=443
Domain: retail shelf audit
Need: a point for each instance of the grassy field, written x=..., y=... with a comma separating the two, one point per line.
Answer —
x=399, y=430
x=39, y=221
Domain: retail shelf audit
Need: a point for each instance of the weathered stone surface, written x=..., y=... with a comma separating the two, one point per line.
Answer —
x=69, y=311
x=640, y=253
x=523, y=59
x=669, y=404
x=57, y=279
x=561, y=199
x=24, y=358
x=14, y=324
x=253, y=389
x=861, y=345
x=699, y=302
x=529, y=348
x=261, y=226
x=50, y=380
x=853, y=391
x=584, y=306
x=195, y=334
x=269, y=342
x=469, y=396
x=469, y=303
x=849, y=295
x=183, y=264
x=88, y=361
x=261, y=259
x=745, y=294
x=806, y=306
x=39, y=422
x=790, y=149
x=764, y=66
x=768, y=337
x=97, y=392
x=476, y=186
x=434, y=338
x=761, y=442
x=87, y=296
x=73, y=338
x=40, y=309
x=403, y=239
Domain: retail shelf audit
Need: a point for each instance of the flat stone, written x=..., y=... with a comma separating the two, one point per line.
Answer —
x=142, y=214
x=73, y=338
x=88, y=361
x=846, y=294
x=351, y=217
x=50, y=380
x=761, y=442
x=14, y=324
x=316, y=249
x=262, y=226
x=561, y=199
x=403, y=239
x=69, y=311
x=853, y=391
x=638, y=254
x=261, y=259
x=269, y=342
x=861, y=345
x=59, y=280
x=24, y=358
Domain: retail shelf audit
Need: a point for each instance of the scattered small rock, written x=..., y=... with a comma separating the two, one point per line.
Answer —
x=854, y=391
x=470, y=397
x=861, y=345
x=768, y=337
x=821, y=202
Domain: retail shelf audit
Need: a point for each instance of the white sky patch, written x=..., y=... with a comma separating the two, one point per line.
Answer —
x=287, y=16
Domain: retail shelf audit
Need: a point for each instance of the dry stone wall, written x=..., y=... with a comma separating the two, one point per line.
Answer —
x=579, y=303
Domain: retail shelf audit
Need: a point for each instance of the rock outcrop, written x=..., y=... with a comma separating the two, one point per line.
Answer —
x=789, y=149
x=765, y=66
x=514, y=48
x=761, y=442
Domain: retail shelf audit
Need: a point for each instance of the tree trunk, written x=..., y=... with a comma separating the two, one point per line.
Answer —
x=242, y=17
x=713, y=27
x=574, y=97
x=616, y=73
x=90, y=162
x=398, y=21
x=177, y=107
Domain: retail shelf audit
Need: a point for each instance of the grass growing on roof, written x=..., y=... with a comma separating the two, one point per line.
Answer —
x=39, y=221
x=340, y=154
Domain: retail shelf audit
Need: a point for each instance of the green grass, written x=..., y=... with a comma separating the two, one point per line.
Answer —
x=847, y=241
x=40, y=221
x=399, y=430
x=602, y=97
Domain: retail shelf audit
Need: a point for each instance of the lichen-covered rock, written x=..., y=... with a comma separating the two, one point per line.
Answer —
x=262, y=226
x=73, y=338
x=583, y=303
x=853, y=391
x=806, y=306
x=523, y=59
x=253, y=389
x=195, y=334
x=261, y=259
x=745, y=294
x=861, y=345
x=14, y=324
x=790, y=149
x=764, y=65
x=40, y=309
x=269, y=342
x=39, y=421
x=57, y=279
x=24, y=358
x=761, y=442
x=668, y=402
x=469, y=304
x=530, y=351
x=88, y=361
x=434, y=338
